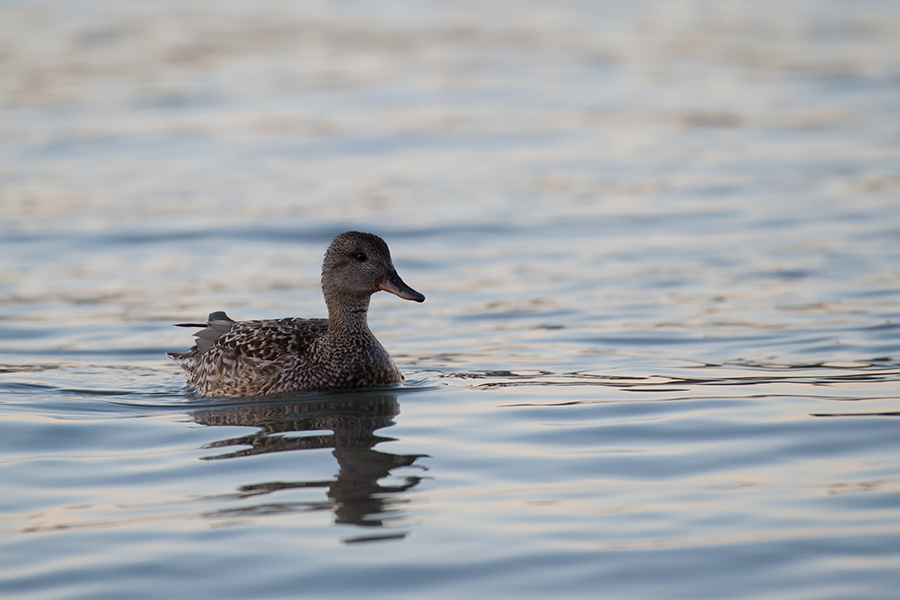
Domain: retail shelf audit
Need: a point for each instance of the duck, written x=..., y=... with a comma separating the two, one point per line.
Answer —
x=274, y=356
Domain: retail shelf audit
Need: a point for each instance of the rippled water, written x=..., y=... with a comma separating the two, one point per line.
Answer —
x=660, y=354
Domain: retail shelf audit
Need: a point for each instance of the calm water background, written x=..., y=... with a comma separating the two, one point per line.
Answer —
x=660, y=241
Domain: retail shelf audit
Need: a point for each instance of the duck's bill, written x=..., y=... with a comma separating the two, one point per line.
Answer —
x=396, y=286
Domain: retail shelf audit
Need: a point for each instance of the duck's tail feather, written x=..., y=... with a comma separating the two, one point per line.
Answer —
x=219, y=315
x=219, y=323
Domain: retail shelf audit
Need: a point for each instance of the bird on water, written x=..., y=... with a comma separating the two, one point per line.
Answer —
x=252, y=358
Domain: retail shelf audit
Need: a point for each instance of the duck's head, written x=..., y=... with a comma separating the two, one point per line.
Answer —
x=359, y=264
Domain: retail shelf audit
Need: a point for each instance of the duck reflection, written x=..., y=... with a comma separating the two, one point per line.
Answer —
x=356, y=494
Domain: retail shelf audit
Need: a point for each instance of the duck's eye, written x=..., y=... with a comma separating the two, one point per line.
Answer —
x=360, y=256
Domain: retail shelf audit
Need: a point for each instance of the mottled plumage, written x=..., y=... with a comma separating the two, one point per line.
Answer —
x=249, y=358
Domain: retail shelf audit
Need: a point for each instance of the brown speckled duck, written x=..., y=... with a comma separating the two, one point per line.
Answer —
x=250, y=358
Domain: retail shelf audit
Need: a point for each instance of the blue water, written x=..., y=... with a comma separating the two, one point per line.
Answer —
x=660, y=351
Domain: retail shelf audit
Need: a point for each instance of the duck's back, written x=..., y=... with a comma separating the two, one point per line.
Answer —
x=272, y=339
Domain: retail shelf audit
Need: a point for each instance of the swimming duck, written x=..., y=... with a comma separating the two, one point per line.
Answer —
x=251, y=358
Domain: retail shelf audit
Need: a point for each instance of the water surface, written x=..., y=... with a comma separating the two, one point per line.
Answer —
x=659, y=352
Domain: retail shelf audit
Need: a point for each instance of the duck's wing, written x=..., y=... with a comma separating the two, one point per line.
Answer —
x=238, y=358
x=268, y=339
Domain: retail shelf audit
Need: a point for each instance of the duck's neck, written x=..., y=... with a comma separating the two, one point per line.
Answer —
x=348, y=314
